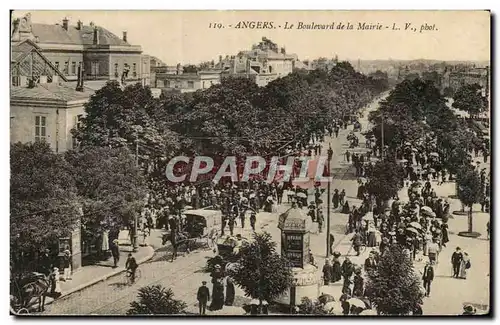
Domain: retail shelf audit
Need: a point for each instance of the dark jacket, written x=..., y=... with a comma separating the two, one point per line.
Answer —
x=456, y=258
x=203, y=294
x=370, y=264
x=428, y=273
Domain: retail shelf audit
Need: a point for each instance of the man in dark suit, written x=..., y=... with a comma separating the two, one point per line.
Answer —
x=371, y=262
x=203, y=297
x=456, y=260
x=427, y=278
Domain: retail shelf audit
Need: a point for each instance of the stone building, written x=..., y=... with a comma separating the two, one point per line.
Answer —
x=187, y=82
x=264, y=63
x=101, y=54
x=43, y=106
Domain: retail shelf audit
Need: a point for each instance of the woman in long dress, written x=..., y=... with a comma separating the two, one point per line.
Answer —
x=229, y=292
x=464, y=266
x=372, y=240
x=336, y=274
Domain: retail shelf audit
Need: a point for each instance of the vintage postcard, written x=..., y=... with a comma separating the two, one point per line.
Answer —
x=213, y=163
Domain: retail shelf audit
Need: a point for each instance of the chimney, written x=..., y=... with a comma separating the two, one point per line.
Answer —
x=91, y=24
x=96, y=36
x=79, y=82
x=125, y=37
x=65, y=23
x=179, y=68
x=220, y=58
x=283, y=50
x=79, y=25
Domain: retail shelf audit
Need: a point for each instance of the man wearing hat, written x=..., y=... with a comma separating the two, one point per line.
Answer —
x=203, y=297
x=456, y=260
x=427, y=278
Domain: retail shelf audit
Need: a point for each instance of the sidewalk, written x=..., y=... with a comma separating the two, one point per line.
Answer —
x=92, y=274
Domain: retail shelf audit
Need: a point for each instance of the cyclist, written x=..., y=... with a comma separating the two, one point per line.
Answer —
x=131, y=266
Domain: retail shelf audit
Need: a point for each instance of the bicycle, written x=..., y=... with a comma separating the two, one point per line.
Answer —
x=128, y=276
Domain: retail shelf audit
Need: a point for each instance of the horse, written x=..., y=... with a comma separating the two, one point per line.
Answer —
x=177, y=239
x=35, y=285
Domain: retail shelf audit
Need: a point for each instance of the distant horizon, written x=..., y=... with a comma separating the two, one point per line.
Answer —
x=184, y=36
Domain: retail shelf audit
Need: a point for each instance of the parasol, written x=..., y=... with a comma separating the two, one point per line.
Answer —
x=426, y=208
x=302, y=195
x=325, y=298
x=357, y=302
x=432, y=214
x=432, y=170
x=434, y=154
x=416, y=225
x=413, y=230
x=188, y=207
x=362, y=179
x=414, y=149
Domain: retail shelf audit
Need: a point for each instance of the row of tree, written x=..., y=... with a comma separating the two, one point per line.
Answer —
x=235, y=117
x=52, y=194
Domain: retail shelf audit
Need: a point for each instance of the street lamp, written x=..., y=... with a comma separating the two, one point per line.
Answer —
x=328, y=244
x=135, y=239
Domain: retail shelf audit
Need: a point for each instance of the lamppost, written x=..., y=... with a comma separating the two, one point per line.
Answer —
x=328, y=244
x=135, y=239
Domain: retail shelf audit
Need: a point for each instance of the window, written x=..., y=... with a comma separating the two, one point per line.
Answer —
x=40, y=128
x=167, y=83
x=190, y=84
x=134, y=70
x=116, y=69
x=73, y=68
x=66, y=68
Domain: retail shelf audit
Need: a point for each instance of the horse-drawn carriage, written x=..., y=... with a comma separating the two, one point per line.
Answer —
x=28, y=289
x=195, y=225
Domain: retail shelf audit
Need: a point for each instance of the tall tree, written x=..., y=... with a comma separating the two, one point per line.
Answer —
x=469, y=98
x=394, y=288
x=110, y=185
x=43, y=201
x=262, y=272
x=470, y=190
x=385, y=180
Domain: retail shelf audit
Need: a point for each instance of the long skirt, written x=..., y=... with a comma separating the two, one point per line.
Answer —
x=217, y=297
x=372, y=241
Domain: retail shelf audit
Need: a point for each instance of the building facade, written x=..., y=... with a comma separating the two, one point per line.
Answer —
x=43, y=107
x=101, y=54
x=264, y=63
x=187, y=82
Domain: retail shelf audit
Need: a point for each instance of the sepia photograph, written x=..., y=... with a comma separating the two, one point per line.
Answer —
x=239, y=163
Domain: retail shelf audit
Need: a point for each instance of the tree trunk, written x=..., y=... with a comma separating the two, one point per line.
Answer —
x=470, y=219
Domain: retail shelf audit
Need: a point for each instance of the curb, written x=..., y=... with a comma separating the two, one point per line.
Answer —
x=102, y=278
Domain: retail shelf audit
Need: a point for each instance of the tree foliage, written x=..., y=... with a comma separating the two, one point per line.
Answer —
x=469, y=98
x=110, y=185
x=262, y=272
x=156, y=300
x=394, y=288
x=469, y=186
x=385, y=180
x=43, y=201
x=310, y=307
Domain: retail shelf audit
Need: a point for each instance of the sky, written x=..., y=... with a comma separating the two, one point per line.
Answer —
x=185, y=36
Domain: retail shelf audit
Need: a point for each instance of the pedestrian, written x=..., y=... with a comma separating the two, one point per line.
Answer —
x=131, y=267
x=456, y=261
x=371, y=262
x=358, y=289
x=336, y=268
x=331, y=242
x=427, y=278
x=115, y=251
x=67, y=265
x=347, y=155
x=327, y=272
x=356, y=241
x=231, y=223
x=464, y=265
x=335, y=199
x=230, y=292
x=253, y=219
x=217, y=290
x=203, y=297
x=320, y=220
x=56, y=284
x=432, y=251
x=342, y=198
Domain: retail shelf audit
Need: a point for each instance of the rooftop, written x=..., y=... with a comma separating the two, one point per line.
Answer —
x=57, y=92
